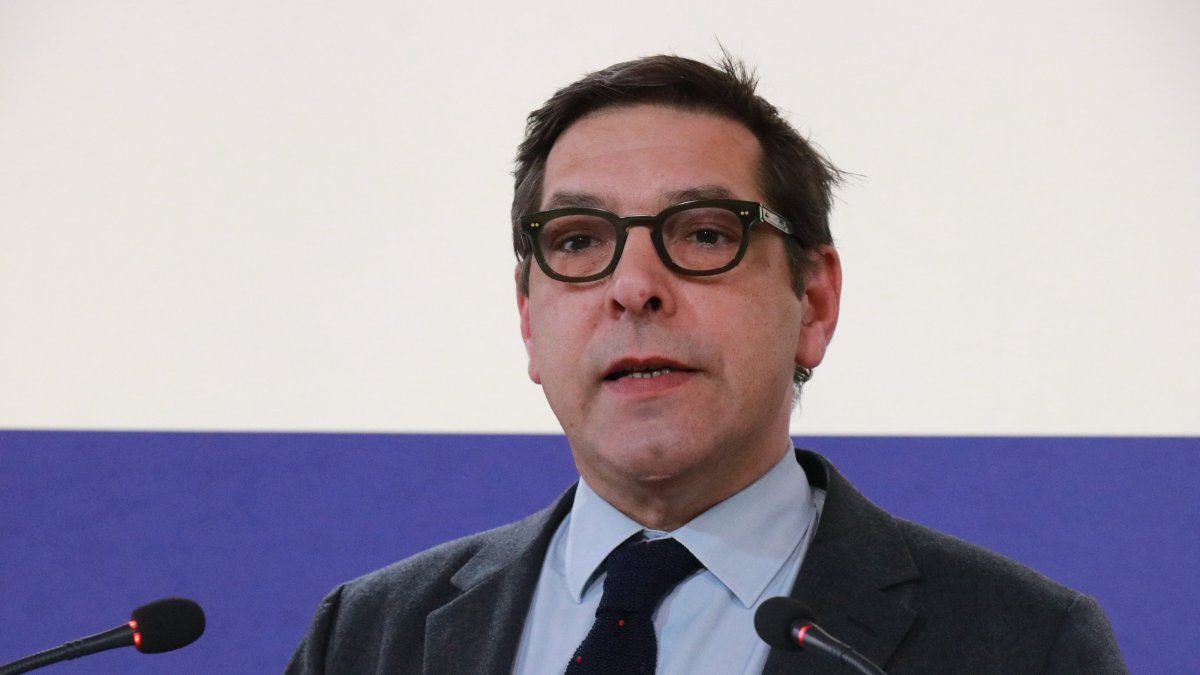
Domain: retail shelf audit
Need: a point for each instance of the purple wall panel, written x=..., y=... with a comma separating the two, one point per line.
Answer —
x=257, y=527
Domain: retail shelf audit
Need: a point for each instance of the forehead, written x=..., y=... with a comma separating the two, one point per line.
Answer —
x=641, y=158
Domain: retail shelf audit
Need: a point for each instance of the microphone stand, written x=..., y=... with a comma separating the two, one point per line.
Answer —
x=121, y=636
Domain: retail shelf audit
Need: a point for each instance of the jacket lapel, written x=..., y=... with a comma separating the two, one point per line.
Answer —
x=857, y=554
x=478, y=630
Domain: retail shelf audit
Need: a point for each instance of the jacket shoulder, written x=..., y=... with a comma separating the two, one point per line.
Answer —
x=989, y=609
x=995, y=581
x=408, y=589
x=378, y=620
x=923, y=601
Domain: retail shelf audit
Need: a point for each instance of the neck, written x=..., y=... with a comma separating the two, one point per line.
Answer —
x=667, y=503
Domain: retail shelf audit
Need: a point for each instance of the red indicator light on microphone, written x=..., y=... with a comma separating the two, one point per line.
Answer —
x=137, y=637
x=801, y=633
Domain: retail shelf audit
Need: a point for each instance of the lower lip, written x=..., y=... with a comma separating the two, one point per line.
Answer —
x=648, y=386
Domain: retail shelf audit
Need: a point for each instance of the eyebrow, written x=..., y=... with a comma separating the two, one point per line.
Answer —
x=560, y=200
x=700, y=192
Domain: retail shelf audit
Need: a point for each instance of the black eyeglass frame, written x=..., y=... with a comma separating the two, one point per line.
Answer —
x=749, y=213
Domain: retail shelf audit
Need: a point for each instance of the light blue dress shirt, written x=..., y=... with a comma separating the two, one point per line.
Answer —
x=751, y=546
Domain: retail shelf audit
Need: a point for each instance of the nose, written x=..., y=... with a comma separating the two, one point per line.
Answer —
x=641, y=284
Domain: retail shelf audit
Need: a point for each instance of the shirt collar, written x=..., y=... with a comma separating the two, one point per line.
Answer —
x=743, y=541
x=596, y=528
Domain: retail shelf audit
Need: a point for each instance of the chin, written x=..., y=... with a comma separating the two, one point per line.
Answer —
x=653, y=462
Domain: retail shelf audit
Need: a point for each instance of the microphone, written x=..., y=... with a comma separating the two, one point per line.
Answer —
x=159, y=626
x=787, y=623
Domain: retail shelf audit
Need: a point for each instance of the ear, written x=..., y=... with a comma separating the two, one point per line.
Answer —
x=526, y=335
x=819, y=306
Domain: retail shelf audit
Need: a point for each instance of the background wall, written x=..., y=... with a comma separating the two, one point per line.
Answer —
x=258, y=527
x=291, y=216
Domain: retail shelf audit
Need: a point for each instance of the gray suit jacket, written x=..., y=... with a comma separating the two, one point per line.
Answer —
x=908, y=598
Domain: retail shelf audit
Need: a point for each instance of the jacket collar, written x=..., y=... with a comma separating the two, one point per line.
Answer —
x=858, y=554
x=478, y=630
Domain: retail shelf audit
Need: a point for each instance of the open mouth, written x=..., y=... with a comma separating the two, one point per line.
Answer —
x=642, y=372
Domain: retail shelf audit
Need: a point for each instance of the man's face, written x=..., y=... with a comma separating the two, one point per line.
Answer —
x=663, y=381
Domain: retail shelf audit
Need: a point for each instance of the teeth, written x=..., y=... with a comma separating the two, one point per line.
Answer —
x=642, y=374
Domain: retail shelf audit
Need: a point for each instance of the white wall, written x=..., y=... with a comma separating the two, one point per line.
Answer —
x=293, y=215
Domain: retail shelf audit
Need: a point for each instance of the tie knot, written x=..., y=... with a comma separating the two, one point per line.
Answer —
x=640, y=574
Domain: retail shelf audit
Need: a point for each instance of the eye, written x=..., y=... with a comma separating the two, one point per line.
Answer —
x=576, y=235
x=575, y=243
x=704, y=228
x=708, y=237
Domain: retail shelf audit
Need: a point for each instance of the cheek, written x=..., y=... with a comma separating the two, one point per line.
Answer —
x=558, y=335
x=769, y=332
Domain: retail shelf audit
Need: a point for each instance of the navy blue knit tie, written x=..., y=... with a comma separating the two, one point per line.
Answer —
x=622, y=639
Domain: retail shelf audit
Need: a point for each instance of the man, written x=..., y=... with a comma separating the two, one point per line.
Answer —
x=677, y=284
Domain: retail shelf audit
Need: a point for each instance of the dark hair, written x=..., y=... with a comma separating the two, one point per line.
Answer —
x=796, y=180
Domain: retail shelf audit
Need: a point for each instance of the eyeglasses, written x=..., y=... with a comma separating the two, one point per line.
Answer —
x=698, y=238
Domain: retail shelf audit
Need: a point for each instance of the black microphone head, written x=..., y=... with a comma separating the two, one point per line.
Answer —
x=774, y=618
x=167, y=624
